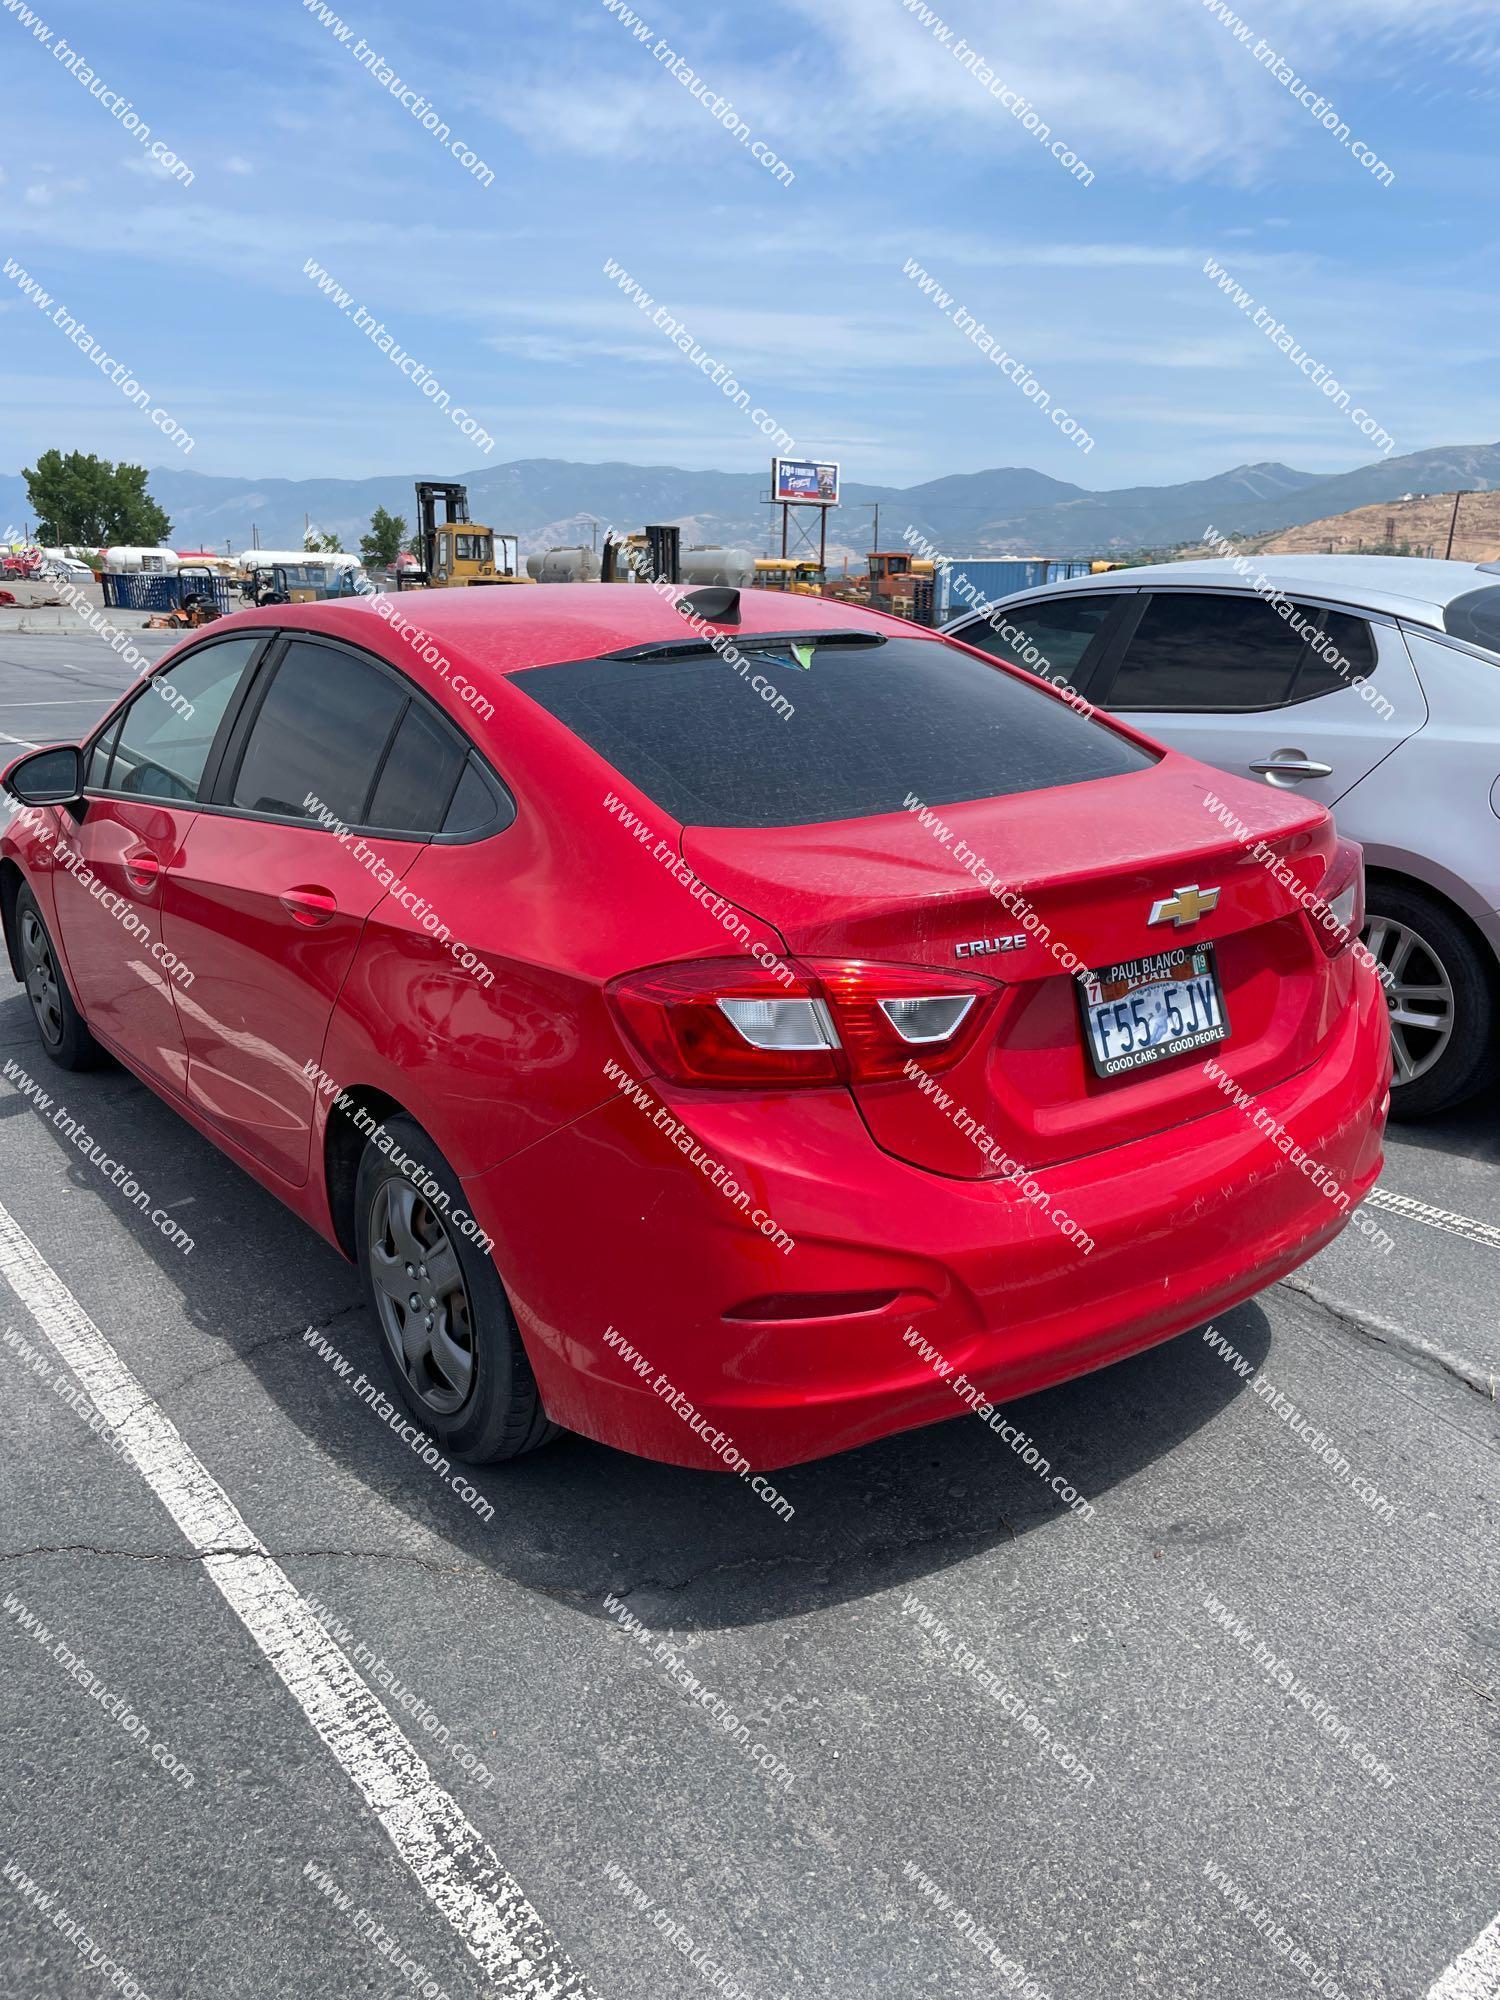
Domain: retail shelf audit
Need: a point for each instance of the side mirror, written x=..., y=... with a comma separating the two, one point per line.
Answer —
x=48, y=777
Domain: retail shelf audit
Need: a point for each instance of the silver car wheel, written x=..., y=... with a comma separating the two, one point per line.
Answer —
x=1418, y=996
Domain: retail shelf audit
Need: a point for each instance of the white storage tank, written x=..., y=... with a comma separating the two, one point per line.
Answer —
x=734, y=567
x=140, y=562
x=562, y=565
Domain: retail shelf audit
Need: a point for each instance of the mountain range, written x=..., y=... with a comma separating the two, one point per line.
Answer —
x=1010, y=510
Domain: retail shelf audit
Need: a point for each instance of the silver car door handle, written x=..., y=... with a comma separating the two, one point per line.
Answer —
x=1292, y=767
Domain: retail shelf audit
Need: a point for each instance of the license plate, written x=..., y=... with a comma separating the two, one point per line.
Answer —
x=1146, y=1009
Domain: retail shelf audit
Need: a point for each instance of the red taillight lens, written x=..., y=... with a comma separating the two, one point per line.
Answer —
x=1338, y=910
x=731, y=1021
x=888, y=1015
x=727, y=1020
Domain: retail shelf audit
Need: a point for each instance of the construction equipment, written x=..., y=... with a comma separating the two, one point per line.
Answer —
x=892, y=577
x=455, y=551
x=654, y=556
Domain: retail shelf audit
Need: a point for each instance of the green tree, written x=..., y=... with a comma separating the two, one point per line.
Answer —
x=321, y=545
x=383, y=543
x=83, y=498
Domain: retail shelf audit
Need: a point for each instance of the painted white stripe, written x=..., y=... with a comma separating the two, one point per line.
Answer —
x=1476, y=1974
x=24, y=741
x=1435, y=1218
x=456, y=1867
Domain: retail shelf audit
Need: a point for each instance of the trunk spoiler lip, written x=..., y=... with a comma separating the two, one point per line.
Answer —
x=668, y=649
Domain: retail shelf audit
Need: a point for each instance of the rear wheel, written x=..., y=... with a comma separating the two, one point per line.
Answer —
x=1440, y=997
x=64, y=1033
x=447, y=1331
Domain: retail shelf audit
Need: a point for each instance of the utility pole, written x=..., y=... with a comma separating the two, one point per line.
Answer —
x=1453, y=523
x=875, y=524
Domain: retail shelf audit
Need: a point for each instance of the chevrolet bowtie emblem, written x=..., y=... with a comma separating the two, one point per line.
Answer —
x=1186, y=907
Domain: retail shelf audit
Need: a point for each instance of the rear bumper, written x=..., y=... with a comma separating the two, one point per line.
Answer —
x=606, y=1225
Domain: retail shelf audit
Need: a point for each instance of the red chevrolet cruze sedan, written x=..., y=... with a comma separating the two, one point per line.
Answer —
x=712, y=1021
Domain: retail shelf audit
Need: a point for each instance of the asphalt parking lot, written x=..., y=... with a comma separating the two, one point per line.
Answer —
x=996, y=1745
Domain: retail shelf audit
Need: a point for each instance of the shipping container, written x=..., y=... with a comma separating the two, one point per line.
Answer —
x=973, y=583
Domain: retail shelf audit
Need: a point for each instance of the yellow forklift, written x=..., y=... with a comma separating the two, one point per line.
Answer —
x=455, y=551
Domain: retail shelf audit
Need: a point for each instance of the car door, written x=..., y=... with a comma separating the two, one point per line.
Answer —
x=1301, y=696
x=1064, y=639
x=146, y=769
x=278, y=873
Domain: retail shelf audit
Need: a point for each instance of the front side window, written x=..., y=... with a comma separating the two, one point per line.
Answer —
x=169, y=729
x=474, y=548
x=1206, y=653
x=875, y=722
x=320, y=735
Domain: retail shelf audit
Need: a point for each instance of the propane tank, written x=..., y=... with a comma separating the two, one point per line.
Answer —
x=579, y=565
x=710, y=564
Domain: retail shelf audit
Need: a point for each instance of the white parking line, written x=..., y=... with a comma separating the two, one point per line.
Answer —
x=1475, y=1974
x=24, y=741
x=1435, y=1218
x=456, y=1867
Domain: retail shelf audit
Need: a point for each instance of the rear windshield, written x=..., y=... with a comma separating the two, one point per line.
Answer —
x=1476, y=617
x=873, y=724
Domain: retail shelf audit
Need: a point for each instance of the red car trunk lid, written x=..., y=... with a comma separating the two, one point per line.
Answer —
x=1075, y=869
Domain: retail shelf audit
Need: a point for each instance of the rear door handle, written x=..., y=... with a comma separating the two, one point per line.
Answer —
x=309, y=906
x=1291, y=768
x=142, y=871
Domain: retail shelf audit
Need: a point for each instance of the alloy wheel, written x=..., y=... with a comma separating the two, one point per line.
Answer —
x=423, y=1302
x=43, y=988
x=1418, y=996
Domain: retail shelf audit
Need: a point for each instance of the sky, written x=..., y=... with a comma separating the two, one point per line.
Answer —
x=899, y=152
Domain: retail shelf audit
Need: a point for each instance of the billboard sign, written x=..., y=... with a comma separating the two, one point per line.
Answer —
x=804, y=482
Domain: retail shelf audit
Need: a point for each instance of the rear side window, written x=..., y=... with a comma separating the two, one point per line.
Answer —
x=1206, y=653
x=1053, y=638
x=874, y=725
x=1476, y=617
x=168, y=730
x=418, y=776
x=1343, y=653
x=319, y=735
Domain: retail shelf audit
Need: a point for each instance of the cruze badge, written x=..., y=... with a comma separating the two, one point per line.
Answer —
x=1185, y=907
x=977, y=947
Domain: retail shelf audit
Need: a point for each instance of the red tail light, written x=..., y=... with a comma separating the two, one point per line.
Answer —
x=731, y=1021
x=1338, y=910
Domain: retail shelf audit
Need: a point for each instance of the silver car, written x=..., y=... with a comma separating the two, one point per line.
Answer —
x=1373, y=683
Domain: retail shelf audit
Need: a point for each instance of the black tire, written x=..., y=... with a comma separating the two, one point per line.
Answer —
x=62, y=1030
x=1446, y=968
x=494, y=1410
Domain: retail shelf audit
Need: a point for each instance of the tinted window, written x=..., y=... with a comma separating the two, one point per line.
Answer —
x=1051, y=638
x=477, y=804
x=417, y=779
x=1206, y=653
x=166, y=736
x=873, y=724
x=1476, y=617
x=1342, y=653
x=320, y=734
